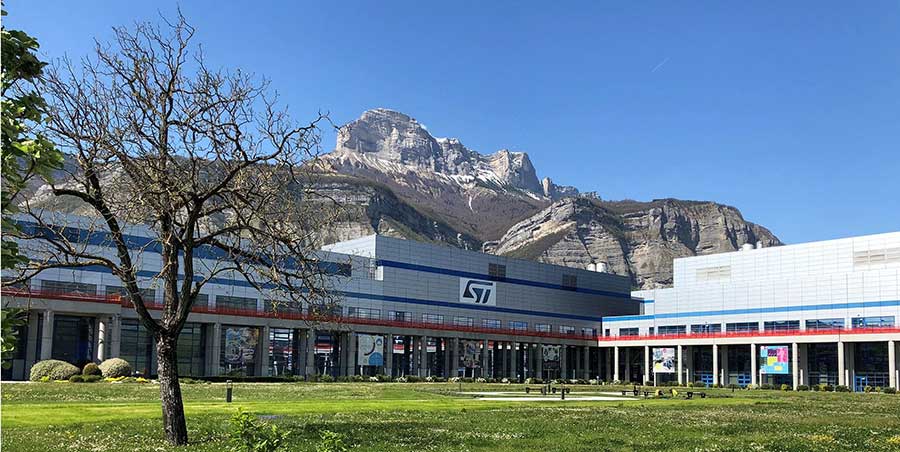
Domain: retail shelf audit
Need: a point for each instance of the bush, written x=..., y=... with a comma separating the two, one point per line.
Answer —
x=331, y=442
x=91, y=378
x=383, y=377
x=52, y=369
x=77, y=378
x=826, y=387
x=785, y=387
x=841, y=388
x=325, y=378
x=803, y=388
x=868, y=389
x=115, y=367
x=248, y=434
x=91, y=369
x=889, y=390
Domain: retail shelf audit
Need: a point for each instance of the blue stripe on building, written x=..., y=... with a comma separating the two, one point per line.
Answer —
x=812, y=307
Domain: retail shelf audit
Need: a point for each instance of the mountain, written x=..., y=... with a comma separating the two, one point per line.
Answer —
x=637, y=239
x=394, y=178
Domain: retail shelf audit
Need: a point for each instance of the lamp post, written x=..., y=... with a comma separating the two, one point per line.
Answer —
x=228, y=388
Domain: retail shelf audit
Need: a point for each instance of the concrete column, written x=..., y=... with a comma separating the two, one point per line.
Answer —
x=47, y=336
x=264, y=351
x=689, y=363
x=803, y=363
x=516, y=360
x=426, y=369
x=842, y=364
x=850, y=360
x=563, y=362
x=646, y=364
x=715, y=357
x=389, y=354
x=102, y=324
x=892, y=364
x=310, y=352
x=115, y=336
x=723, y=363
x=213, y=338
x=454, y=357
x=504, y=372
x=754, y=365
x=795, y=365
x=616, y=364
x=680, y=364
x=627, y=363
x=353, y=341
x=445, y=344
x=485, y=359
x=577, y=371
x=586, y=364
x=540, y=361
x=31, y=343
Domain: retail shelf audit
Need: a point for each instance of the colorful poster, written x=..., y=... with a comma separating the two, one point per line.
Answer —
x=773, y=359
x=399, y=347
x=664, y=360
x=370, y=351
x=551, y=355
x=240, y=345
x=431, y=345
x=470, y=356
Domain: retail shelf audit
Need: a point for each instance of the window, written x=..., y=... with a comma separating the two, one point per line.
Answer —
x=567, y=329
x=282, y=355
x=872, y=322
x=136, y=346
x=606, y=332
x=517, y=325
x=589, y=332
x=282, y=306
x=713, y=273
x=325, y=310
x=335, y=268
x=463, y=321
x=706, y=328
x=364, y=313
x=666, y=330
x=542, y=327
x=876, y=257
x=202, y=300
x=149, y=295
x=192, y=350
x=651, y=330
x=628, y=331
x=66, y=287
x=238, y=303
x=399, y=316
x=782, y=325
x=497, y=272
x=433, y=318
x=569, y=282
x=742, y=327
x=490, y=323
x=825, y=324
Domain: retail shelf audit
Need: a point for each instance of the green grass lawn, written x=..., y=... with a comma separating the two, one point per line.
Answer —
x=435, y=417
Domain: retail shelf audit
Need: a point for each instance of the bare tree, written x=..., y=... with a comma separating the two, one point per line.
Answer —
x=204, y=159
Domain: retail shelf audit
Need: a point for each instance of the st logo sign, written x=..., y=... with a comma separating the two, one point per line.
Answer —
x=477, y=291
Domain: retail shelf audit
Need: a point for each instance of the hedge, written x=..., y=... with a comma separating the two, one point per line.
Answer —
x=115, y=367
x=53, y=369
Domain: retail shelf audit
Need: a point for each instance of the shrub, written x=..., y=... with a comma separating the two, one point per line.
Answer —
x=699, y=384
x=504, y=380
x=77, y=378
x=481, y=380
x=52, y=369
x=331, y=442
x=803, y=388
x=91, y=369
x=826, y=387
x=889, y=390
x=91, y=378
x=785, y=387
x=868, y=389
x=841, y=388
x=374, y=379
x=248, y=434
x=115, y=367
x=413, y=379
x=325, y=378
x=383, y=377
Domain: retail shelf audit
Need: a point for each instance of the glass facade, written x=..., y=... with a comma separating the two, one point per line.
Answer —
x=241, y=303
x=433, y=318
x=742, y=327
x=364, y=313
x=192, y=350
x=873, y=322
x=73, y=339
x=137, y=346
x=825, y=324
x=671, y=329
x=782, y=325
x=490, y=323
x=282, y=351
x=706, y=328
x=542, y=327
x=518, y=325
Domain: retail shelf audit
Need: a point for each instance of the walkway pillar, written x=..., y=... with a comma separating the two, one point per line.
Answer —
x=310, y=352
x=389, y=354
x=627, y=364
x=586, y=367
x=264, y=352
x=892, y=364
x=517, y=363
x=454, y=357
x=564, y=362
x=485, y=360
x=114, y=334
x=725, y=379
x=754, y=366
x=680, y=364
x=842, y=364
x=423, y=358
x=803, y=363
x=715, y=357
x=795, y=365
x=540, y=361
x=646, y=364
x=102, y=337
x=47, y=336
x=616, y=364
x=504, y=367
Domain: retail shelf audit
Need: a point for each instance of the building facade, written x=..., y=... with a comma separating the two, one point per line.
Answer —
x=826, y=312
x=403, y=308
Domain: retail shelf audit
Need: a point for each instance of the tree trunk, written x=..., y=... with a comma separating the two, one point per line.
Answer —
x=170, y=391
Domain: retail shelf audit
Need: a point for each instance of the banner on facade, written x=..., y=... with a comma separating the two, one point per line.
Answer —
x=773, y=359
x=664, y=360
x=477, y=291
x=431, y=345
x=323, y=344
x=370, y=350
x=550, y=354
x=399, y=347
x=470, y=356
x=240, y=345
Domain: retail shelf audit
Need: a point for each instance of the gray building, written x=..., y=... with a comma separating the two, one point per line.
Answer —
x=404, y=308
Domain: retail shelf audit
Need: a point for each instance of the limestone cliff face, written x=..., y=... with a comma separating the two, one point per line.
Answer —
x=637, y=239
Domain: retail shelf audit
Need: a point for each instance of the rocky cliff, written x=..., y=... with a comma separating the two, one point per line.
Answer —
x=637, y=239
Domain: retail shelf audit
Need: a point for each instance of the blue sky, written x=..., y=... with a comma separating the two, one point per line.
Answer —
x=790, y=112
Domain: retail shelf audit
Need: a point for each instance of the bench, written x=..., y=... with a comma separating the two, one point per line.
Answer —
x=690, y=395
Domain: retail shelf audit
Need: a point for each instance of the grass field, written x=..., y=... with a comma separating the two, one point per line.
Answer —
x=436, y=417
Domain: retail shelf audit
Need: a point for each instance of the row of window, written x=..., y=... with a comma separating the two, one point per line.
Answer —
x=497, y=272
x=438, y=319
x=768, y=326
